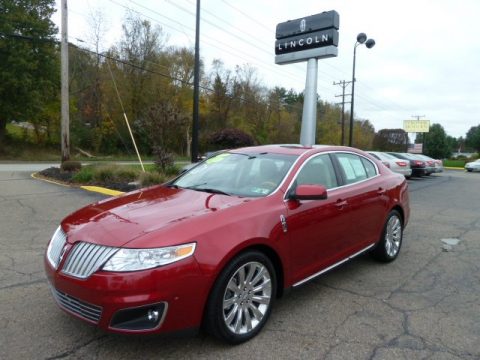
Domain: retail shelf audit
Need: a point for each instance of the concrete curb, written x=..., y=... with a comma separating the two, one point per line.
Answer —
x=97, y=189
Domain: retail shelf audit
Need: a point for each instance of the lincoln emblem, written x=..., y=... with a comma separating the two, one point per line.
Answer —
x=303, y=25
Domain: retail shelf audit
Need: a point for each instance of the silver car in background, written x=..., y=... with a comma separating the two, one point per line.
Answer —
x=473, y=166
x=395, y=164
x=437, y=164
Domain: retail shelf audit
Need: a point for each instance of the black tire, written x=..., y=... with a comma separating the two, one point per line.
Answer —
x=217, y=315
x=388, y=247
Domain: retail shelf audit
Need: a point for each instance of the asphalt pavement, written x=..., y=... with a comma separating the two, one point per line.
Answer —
x=425, y=305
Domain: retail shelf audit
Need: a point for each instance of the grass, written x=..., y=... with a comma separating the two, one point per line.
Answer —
x=454, y=163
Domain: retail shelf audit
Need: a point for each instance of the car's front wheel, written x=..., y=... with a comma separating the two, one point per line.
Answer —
x=242, y=298
x=390, y=242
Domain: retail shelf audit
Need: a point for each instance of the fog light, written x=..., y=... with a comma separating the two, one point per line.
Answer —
x=153, y=315
x=146, y=317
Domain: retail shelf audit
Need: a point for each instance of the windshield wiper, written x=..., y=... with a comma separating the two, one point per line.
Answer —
x=208, y=190
x=213, y=191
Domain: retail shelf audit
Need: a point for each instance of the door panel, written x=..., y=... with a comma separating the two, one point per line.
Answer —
x=317, y=229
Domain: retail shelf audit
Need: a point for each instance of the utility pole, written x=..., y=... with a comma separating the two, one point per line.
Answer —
x=196, y=88
x=65, y=134
x=343, y=84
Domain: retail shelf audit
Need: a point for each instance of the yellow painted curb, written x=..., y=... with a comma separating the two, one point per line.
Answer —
x=453, y=168
x=102, y=190
x=36, y=177
x=97, y=189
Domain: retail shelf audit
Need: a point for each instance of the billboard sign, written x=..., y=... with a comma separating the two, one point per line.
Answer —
x=312, y=40
x=311, y=37
x=416, y=126
x=308, y=24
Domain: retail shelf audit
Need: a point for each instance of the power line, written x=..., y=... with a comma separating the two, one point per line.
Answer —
x=211, y=44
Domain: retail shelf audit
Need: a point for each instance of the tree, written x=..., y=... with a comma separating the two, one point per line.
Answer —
x=140, y=46
x=390, y=140
x=29, y=61
x=230, y=139
x=472, y=139
x=436, y=145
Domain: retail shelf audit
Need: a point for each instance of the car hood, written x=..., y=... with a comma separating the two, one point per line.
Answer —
x=117, y=221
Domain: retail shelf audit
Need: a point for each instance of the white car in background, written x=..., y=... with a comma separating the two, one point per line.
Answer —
x=395, y=164
x=473, y=166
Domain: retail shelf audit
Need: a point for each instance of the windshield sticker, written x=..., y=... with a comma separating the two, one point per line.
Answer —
x=262, y=191
x=217, y=158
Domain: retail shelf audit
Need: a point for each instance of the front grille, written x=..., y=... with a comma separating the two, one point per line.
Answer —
x=54, y=251
x=83, y=309
x=86, y=258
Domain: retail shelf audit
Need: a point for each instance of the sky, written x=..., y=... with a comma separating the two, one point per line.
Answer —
x=425, y=62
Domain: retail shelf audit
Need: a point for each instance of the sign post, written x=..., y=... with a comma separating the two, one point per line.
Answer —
x=308, y=39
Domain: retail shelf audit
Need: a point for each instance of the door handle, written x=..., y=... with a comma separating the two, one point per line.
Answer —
x=381, y=191
x=341, y=204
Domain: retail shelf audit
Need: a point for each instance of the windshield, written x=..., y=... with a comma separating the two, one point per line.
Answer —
x=249, y=175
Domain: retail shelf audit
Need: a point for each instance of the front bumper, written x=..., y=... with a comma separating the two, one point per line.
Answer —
x=173, y=296
x=472, y=168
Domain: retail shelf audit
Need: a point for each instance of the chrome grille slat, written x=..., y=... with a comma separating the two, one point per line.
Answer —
x=86, y=258
x=56, y=246
x=85, y=255
x=94, y=255
x=81, y=308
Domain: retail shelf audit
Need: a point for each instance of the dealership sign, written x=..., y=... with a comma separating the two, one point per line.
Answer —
x=416, y=126
x=311, y=37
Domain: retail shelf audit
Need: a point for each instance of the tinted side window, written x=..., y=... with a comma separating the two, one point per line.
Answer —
x=369, y=167
x=352, y=167
x=318, y=171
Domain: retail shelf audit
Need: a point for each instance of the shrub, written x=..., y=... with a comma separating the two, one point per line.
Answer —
x=126, y=173
x=163, y=158
x=230, y=139
x=172, y=171
x=104, y=173
x=151, y=178
x=84, y=176
x=71, y=166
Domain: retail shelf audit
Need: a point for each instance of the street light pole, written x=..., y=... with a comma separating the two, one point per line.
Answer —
x=361, y=39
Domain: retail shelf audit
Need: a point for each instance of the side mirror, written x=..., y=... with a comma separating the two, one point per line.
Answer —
x=309, y=192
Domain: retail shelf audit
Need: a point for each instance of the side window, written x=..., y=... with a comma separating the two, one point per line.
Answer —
x=369, y=167
x=318, y=171
x=353, y=167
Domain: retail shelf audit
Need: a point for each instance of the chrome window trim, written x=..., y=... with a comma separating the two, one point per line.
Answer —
x=338, y=187
x=332, y=266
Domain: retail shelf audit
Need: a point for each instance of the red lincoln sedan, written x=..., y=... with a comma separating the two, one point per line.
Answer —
x=217, y=245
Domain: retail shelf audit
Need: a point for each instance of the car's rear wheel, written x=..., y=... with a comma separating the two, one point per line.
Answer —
x=242, y=298
x=390, y=242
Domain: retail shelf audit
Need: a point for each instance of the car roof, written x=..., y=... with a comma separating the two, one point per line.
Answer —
x=292, y=149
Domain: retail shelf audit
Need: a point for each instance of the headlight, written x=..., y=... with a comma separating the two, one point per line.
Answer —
x=141, y=259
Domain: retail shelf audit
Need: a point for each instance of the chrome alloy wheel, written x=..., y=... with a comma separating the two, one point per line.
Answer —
x=247, y=298
x=393, y=236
